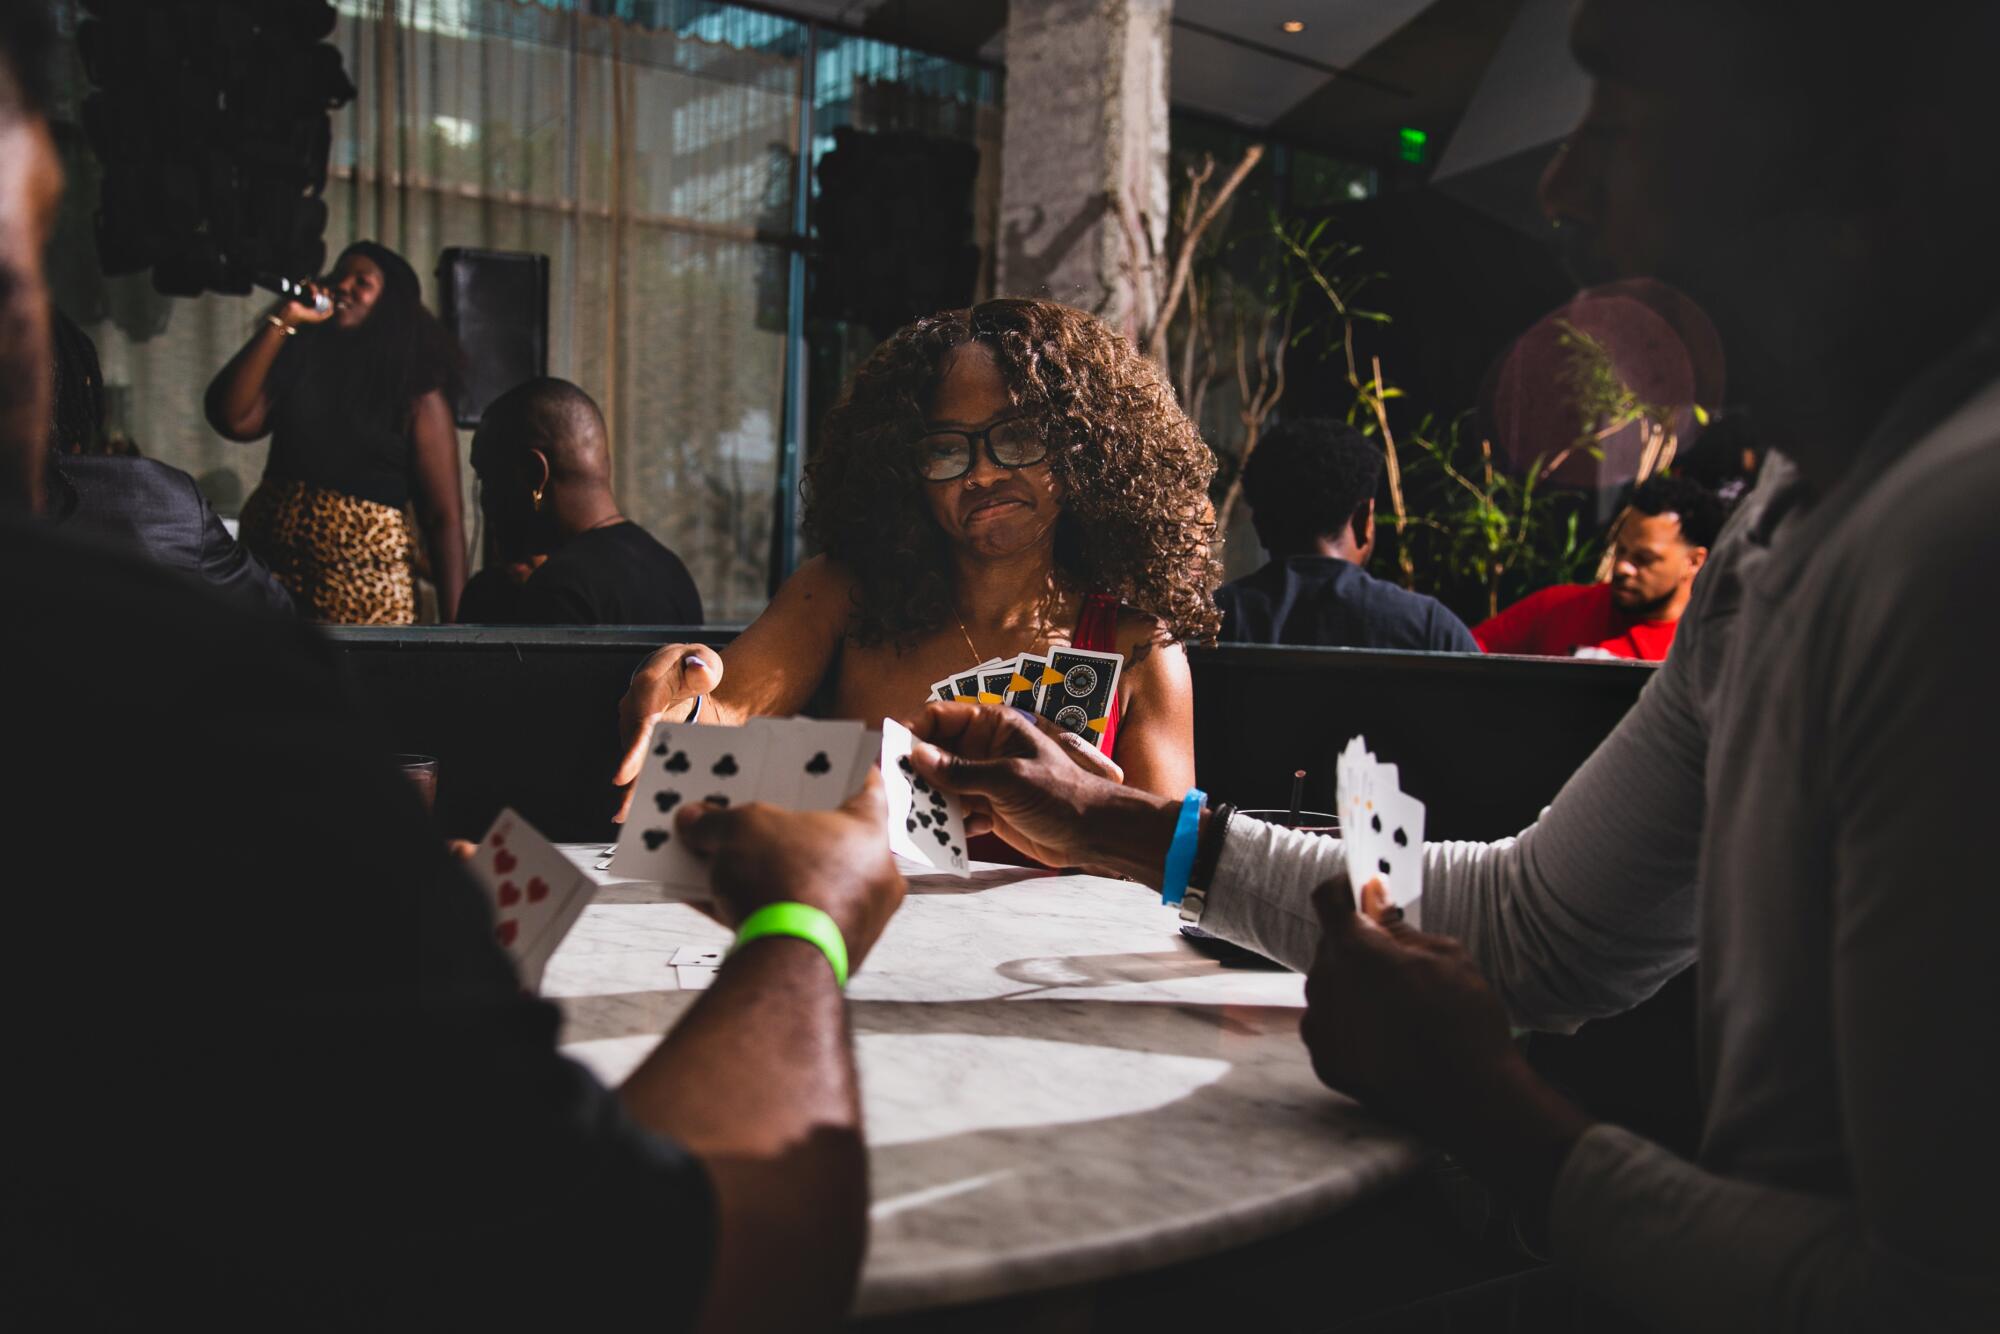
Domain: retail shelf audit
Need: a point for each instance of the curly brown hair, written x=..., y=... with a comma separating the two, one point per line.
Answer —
x=1133, y=469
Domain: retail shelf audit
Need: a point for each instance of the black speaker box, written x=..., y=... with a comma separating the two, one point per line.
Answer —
x=496, y=303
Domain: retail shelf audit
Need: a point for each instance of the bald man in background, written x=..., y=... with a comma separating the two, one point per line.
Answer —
x=559, y=552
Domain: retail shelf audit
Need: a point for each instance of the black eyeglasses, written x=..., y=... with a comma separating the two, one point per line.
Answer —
x=946, y=456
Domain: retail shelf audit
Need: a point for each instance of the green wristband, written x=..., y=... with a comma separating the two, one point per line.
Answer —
x=804, y=922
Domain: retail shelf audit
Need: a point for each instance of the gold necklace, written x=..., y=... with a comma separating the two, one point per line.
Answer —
x=968, y=636
x=1035, y=630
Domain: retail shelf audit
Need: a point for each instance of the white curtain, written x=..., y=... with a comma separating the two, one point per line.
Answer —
x=654, y=169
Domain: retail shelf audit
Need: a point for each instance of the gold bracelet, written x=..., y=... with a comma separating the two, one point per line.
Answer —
x=278, y=324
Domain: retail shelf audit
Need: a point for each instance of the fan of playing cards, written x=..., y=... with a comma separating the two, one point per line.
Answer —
x=1381, y=828
x=1071, y=687
x=799, y=763
x=802, y=764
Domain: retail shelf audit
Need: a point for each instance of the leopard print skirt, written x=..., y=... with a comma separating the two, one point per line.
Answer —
x=345, y=560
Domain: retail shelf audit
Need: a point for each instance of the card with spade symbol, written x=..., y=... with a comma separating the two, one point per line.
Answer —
x=537, y=893
x=686, y=764
x=925, y=824
x=1381, y=827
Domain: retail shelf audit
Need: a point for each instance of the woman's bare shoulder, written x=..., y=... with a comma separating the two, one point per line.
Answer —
x=821, y=586
x=819, y=577
x=1143, y=639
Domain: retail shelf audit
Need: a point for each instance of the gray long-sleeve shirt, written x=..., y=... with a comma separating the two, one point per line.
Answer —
x=1799, y=797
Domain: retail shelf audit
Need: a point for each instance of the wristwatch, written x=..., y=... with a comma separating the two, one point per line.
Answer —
x=1206, y=858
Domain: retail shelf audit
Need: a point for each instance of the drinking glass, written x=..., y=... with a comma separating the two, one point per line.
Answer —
x=421, y=770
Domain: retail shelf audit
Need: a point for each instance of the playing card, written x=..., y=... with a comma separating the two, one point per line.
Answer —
x=1352, y=774
x=685, y=764
x=704, y=955
x=1354, y=798
x=1024, y=688
x=965, y=687
x=925, y=824
x=809, y=762
x=1078, y=686
x=944, y=691
x=994, y=681
x=867, y=755
x=695, y=977
x=534, y=960
x=1398, y=827
x=536, y=892
x=1382, y=828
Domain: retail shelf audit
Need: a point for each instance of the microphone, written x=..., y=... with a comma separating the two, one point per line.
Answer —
x=295, y=289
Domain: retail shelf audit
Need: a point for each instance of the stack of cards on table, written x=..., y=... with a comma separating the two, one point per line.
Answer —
x=1382, y=829
x=1071, y=687
x=537, y=893
x=802, y=764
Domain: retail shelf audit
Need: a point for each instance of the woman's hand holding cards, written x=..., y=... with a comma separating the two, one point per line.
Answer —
x=836, y=861
x=665, y=684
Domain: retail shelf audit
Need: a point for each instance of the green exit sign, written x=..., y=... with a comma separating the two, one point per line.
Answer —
x=1412, y=143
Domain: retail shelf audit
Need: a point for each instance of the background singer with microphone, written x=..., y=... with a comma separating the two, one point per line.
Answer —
x=355, y=392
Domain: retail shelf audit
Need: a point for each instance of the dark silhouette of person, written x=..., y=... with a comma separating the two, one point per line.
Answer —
x=559, y=551
x=1311, y=486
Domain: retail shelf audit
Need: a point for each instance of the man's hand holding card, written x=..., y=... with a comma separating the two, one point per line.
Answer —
x=799, y=764
x=835, y=860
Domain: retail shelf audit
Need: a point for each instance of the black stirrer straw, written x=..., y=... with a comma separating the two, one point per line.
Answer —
x=1298, y=794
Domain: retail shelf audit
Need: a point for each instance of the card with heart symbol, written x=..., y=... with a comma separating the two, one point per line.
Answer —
x=1381, y=827
x=537, y=893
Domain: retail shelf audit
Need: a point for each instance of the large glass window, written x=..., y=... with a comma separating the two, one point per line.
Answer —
x=649, y=148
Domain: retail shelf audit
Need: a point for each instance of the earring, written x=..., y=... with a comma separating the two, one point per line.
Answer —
x=538, y=497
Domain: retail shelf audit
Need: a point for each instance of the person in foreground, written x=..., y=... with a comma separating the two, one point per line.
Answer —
x=1656, y=551
x=995, y=481
x=559, y=552
x=1311, y=489
x=356, y=397
x=1814, y=758
x=279, y=1076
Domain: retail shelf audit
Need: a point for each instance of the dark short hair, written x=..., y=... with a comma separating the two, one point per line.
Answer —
x=1309, y=478
x=76, y=416
x=27, y=57
x=1700, y=510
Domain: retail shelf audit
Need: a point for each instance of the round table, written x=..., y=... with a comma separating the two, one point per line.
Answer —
x=1057, y=1087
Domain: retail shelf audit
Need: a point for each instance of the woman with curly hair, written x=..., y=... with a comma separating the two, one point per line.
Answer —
x=996, y=481
x=356, y=394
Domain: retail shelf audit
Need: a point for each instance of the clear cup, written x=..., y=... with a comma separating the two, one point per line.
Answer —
x=421, y=770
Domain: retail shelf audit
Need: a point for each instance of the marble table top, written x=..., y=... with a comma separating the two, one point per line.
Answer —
x=1057, y=1087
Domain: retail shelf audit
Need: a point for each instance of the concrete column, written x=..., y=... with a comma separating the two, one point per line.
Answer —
x=1085, y=137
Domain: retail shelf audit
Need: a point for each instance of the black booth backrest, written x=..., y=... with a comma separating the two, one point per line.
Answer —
x=1483, y=742
x=528, y=718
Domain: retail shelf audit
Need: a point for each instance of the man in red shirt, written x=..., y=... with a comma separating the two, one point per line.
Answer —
x=1656, y=554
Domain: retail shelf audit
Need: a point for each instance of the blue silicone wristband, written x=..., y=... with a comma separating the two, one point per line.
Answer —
x=1180, y=853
